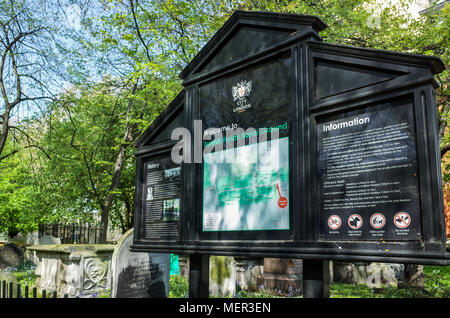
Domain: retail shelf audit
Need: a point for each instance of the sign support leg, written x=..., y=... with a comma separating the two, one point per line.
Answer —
x=316, y=278
x=199, y=276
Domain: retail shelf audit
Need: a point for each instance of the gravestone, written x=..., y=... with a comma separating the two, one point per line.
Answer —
x=138, y=275
x=49, y=240
x=247, y=271
x=222, y=276
x=79, y=270
x=33, y=238
x=10, y=255
x=281, y=274
x=372, y=274
x=4, y=237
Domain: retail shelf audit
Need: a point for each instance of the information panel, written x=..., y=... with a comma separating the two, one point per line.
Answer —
x=162, y=198
x=369, y=186
x=246, y=182
x=252, y=193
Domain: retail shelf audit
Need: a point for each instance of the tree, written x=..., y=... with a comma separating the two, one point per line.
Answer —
x=22, y=62
x=383, y=25
x=123, y=62
x=148, y=40
x=17, y=192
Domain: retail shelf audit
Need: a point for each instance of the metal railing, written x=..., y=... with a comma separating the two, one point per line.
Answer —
x=75, y=233
x=7, y=290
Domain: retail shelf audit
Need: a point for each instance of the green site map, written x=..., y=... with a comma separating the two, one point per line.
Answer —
x=245, y=191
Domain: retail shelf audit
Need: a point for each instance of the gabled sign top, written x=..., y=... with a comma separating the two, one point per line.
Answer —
x=247, y=32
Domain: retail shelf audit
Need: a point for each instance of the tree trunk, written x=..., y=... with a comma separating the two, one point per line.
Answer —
x=127, y=139
x=114, y=184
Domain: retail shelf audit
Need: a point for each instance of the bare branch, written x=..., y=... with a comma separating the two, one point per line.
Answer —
x=138, y=31
x=444, y=150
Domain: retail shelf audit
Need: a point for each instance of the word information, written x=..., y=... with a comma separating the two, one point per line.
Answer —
x=368, y=174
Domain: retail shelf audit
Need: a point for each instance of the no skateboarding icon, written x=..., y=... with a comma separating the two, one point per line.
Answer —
x=334, y=222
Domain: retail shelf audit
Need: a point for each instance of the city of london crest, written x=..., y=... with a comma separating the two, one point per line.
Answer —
x=241, y=90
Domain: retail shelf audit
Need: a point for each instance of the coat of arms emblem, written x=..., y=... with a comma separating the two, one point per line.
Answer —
x=241, y=90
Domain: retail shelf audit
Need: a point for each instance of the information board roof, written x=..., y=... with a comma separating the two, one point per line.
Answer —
x=249, y=31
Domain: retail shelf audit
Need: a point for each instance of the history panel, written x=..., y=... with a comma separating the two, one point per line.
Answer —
x=162, y=198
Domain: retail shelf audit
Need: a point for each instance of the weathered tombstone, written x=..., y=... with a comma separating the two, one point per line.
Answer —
x=33, y=238
x=247, y=271
x=282, y=274
x=183, y=263
x=138, y=275
x=10, y=255
x=79, y=270
x=372, y=274
x=4, y=237
x=413, y=277
x=49, y=240
x=222, y=275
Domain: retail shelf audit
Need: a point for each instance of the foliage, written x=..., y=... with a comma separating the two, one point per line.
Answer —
x=25, y=274
x=437, y=285
x=111, y=74
x=437, y=282
x=179, y=286
x=86, y=132
x=387, y=26
x=16, y=195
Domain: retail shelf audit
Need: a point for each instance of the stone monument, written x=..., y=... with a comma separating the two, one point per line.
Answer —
x=78, y=270
x=222, y=276
x=247, y=271
x=138, y=275
x=282, y=274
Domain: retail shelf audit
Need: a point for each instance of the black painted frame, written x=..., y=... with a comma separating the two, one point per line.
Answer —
x=415, y=80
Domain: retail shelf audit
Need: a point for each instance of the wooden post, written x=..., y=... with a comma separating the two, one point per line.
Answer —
x=316, y=278
x=199, y=276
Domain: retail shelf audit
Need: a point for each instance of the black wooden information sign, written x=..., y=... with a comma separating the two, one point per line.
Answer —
x=282, y=145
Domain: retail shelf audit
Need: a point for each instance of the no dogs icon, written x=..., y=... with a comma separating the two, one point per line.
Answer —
x=355, y=221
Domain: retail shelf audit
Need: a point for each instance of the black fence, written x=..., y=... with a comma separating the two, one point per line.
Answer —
x=8, y=290
x=72, y=233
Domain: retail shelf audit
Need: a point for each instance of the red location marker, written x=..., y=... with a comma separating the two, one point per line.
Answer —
x=282, y=201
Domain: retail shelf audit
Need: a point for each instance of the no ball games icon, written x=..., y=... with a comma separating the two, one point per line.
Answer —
x=334, y=222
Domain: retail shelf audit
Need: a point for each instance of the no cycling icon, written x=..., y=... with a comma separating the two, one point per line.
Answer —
x=334, y=222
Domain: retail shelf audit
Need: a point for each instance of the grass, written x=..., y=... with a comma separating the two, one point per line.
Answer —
x=436, y=285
